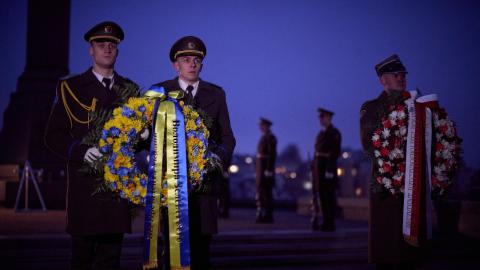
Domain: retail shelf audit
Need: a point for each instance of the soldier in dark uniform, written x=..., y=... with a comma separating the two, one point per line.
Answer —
x=327, y=150
x=265, y=172
x=187, y=55
x=387, y=247
x=97, y=222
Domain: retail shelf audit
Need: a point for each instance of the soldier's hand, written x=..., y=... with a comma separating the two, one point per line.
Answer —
x=268, y=173
x=329, y=175
x=92, y=155
x=144, y=135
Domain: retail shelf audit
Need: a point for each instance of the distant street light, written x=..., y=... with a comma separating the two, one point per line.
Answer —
x=345, y=155
x=293, y=175
x=307, y=185
x=233, y=169
x=248, y=160
x=358, y=191
x=340, y=172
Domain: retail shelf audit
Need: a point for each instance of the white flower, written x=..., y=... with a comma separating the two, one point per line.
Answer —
x=387, y=182
x=403, y=130
x=375, y=137
x=401, y=115
x=384, y=143
x=395, y=153
x=393, y=115
x=385, y=133
x=377, y=153
x=380, y=162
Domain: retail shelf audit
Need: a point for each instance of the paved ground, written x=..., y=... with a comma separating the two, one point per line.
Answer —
x=240, y=220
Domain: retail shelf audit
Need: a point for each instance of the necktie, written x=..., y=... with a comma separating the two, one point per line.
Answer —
x=107, y=83
x=189, y=98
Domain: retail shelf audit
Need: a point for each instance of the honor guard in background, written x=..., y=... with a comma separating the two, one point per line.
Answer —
x=327, y=150
x=265, y=172
x=387, y=248
x=96, y=222
x=187, y=56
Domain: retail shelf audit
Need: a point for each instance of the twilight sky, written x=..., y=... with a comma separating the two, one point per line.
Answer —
x=281, y=59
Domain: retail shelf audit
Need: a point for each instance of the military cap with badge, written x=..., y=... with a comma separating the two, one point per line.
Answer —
x=105, y=31
x=392, y=64
x=188, y=46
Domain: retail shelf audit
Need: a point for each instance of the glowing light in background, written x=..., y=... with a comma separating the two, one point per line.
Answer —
x=307, y=185
x=233, y=169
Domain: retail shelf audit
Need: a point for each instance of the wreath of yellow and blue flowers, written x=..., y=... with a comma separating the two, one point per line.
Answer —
x=119, y=139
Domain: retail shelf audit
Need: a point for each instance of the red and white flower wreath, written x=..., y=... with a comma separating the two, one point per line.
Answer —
x=389, y=144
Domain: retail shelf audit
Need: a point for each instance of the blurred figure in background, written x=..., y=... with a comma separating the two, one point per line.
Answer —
x=324, y=172
x=265, y=172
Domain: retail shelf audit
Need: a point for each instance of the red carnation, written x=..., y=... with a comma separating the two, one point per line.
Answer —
x=387, y=124
x=387, y=167
x=397, y=183
x=384, y=152
x=439, y=146
x=401, y=123
x=401, y=167
x=377, y=143
x=443, y=128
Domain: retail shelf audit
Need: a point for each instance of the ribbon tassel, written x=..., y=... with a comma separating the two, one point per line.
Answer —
x=418, y=167
x=168, y=164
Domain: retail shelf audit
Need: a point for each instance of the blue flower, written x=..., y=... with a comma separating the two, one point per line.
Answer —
x=127, y=112
x=124, y=150
x=105, y=149
x=113, y=186
x=143, y=182
x=104, y=134
x=132, y=134
x=115, y=131
x=122, y=171
x=141, y=108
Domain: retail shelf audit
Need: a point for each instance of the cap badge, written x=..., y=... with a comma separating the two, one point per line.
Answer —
x=191, y=45
x=108, y=29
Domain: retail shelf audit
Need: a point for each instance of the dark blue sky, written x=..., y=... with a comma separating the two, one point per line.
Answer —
x=283, y=59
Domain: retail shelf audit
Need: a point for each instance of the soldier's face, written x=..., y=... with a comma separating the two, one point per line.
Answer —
x=264, y=128
x=325, y=120
x=394, y=81
x=188, y=68
x=104, y=54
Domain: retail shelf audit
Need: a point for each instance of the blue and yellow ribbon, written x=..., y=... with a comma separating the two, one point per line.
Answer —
x=168, y=164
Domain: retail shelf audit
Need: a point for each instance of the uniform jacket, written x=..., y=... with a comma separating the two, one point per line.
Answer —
x=87, y=214
x=328, y=142
x=386, y=244
x=211, y=99
x=266, y=157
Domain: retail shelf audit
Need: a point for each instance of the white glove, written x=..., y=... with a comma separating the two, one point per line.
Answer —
x=144, y=135
x=92, y=154
x=329, y=175
x=268, y=173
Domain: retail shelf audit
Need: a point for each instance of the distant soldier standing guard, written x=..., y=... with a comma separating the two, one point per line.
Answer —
x=265, y=172
x=327, y=150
